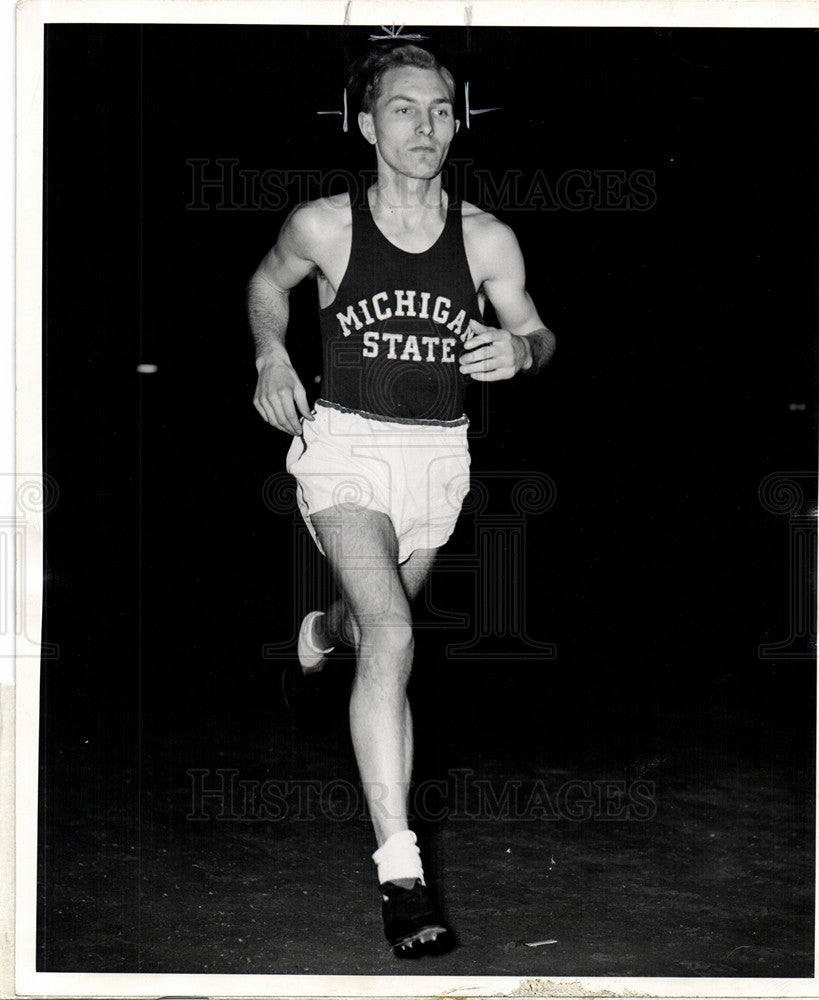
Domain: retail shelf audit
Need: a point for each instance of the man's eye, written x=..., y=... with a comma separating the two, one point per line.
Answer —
x=443, y=113
x=402, y=111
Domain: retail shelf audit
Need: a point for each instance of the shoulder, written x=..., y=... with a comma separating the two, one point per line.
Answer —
x=312, y=226
x=488, y=241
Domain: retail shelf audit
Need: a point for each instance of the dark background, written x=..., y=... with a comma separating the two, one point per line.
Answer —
x=685, y=335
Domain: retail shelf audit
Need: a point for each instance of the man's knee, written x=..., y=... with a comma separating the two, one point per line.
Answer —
x=391, y=641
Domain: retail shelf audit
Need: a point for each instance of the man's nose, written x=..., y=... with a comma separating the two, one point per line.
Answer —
x=425, y=126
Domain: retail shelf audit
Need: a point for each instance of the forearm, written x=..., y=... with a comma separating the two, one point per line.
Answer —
x=539, y=346
x=268, y=311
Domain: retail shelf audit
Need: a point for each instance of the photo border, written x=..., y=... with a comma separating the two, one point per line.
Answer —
x=19, y=718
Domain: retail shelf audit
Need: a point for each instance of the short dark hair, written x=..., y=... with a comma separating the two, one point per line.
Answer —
x=367, y=74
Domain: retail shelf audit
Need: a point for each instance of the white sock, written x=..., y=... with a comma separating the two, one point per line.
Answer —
x=398, y=858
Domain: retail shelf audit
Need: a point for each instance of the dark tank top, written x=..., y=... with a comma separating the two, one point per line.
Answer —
x=395, y=330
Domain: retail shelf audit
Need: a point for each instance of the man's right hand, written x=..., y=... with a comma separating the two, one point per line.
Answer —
x=280, y=396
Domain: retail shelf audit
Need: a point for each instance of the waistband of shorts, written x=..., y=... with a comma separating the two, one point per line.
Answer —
x=462, y=421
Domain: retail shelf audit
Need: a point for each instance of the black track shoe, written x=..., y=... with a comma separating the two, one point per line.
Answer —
x=412, y=925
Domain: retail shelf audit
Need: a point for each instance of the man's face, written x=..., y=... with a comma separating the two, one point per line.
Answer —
x=412, y=122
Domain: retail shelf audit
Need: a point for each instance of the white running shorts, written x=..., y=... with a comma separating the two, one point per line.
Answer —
x=416, y=474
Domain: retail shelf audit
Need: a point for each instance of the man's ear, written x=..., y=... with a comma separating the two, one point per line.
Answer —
x=365, y=123
x=457, y=124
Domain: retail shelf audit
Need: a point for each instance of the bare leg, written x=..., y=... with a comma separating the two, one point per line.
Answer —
x=415, y=571
x=362, y=551
x=414, y=574
x=337, y=624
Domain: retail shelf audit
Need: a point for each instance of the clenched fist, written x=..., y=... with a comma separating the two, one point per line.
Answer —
x=493, y=354
x=280, y=396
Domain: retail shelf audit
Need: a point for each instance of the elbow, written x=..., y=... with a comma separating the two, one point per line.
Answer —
x=260, y=286
x=254, y=281
x=251, y=285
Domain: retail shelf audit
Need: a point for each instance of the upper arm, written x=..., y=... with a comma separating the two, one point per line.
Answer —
x=504, y=278
x=293, y=257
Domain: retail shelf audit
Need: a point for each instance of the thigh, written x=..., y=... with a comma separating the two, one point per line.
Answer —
x=362, y=550
x=414, y=572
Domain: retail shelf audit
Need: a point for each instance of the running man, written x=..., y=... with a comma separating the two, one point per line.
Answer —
x=381, y=462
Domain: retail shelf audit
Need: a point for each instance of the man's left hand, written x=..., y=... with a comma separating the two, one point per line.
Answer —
x=493, y=354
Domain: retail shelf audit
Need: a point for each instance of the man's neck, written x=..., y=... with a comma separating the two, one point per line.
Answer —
x=407, y=198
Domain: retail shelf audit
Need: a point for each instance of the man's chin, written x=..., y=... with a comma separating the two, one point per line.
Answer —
x=418, y=173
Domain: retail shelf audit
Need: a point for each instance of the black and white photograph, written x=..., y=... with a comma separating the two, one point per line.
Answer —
x=426, y=523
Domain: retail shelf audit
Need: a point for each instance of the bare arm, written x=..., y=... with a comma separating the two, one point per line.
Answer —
x=522, y=343
x=280, y=395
